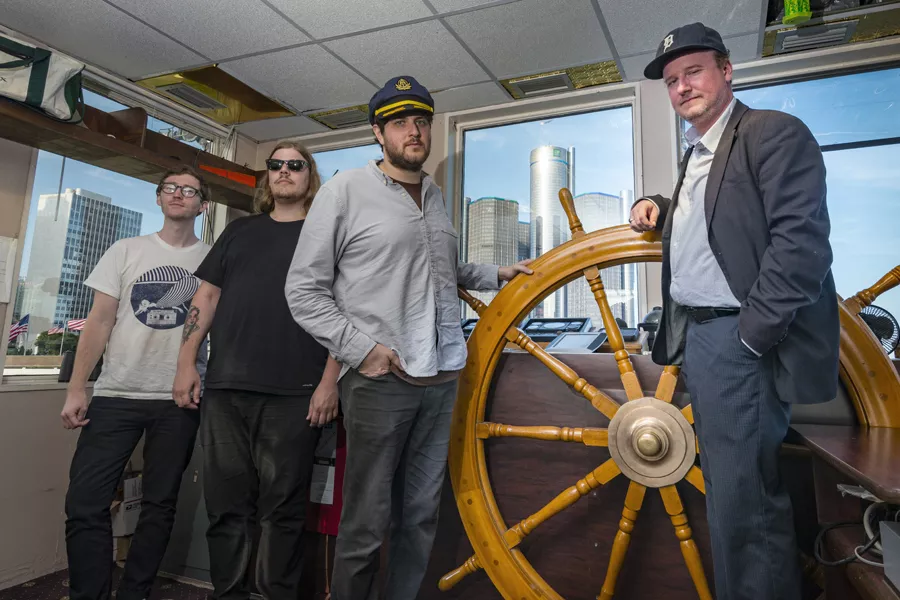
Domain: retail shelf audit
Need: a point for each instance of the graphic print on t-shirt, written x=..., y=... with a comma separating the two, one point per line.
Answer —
x=160, y=297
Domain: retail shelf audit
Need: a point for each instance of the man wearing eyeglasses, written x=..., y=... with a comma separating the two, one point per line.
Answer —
x=374, y=279
x=142, y=290
x=269, y=387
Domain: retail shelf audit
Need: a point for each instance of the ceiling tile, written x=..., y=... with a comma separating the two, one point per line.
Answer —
x=327, y=18
x=441, y=63
x=445, y=6
x=305, y=78
x=634, y=66
x=470, y=96
x=533, y=36
x=638, y=26
x=228, y=29
x=742, y=48
x=99, y=34
x=276, y=129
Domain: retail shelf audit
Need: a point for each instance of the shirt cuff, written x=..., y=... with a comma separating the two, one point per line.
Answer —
x=750, y=348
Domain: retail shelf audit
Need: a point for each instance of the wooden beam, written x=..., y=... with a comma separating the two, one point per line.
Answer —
x=127, y=156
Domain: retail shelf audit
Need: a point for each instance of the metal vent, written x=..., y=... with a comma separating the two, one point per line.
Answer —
x=195, y=98
x=538, y=85
x=343, y=118
x=816, y=36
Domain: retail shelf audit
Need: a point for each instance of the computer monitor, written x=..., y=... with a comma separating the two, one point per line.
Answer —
x=577, y=342
x=468, y=326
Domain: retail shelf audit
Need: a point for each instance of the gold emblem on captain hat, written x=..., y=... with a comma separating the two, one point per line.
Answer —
x=403, y=85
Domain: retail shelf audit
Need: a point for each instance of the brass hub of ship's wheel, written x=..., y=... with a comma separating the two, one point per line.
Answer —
x=650, y=441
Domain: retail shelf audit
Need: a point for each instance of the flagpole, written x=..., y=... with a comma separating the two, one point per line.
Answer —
x=62, y=343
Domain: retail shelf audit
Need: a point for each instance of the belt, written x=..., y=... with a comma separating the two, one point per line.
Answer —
x=703, y=314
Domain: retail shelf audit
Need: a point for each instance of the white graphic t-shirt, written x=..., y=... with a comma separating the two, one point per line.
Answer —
x=154, y=284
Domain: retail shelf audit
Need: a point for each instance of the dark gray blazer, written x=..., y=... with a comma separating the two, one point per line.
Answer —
x=768, y=227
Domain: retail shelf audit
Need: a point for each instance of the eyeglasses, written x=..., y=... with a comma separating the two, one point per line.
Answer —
x=275, y=164
x=186, y=190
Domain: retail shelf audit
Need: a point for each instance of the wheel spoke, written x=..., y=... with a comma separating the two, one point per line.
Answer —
x=688, y=413
x=589, y=436
x=695, y=478
x=613, y=334
x=514, y=535
x=598, y=399
x=675, y=508
x=667, y=382
x=633, y=501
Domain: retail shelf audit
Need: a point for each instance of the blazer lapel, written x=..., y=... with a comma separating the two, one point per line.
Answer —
x=720, y=160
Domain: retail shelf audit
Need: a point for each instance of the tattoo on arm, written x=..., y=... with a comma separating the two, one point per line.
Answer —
x=190, y=324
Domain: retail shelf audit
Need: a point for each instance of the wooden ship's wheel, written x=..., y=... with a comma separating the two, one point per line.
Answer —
x=649, y=440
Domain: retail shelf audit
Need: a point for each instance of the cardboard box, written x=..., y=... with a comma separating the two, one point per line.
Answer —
x=121, y=546
x=125, y=517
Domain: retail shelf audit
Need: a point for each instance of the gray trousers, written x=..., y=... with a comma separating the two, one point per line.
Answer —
x=397, y=440
x=741, y=423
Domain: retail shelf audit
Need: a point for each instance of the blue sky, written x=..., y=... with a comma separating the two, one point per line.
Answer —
x=497, y=159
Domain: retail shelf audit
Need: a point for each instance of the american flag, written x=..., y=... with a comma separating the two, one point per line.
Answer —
x=76, y=324
x=18, y=329
x=55, y=330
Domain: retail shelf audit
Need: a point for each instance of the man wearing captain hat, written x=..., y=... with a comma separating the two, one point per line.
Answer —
x=374, y=280
x=749, y=303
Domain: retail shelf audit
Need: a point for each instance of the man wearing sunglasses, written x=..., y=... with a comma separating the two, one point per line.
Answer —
x=374, y=280
x=269, y=387
x=142, y=289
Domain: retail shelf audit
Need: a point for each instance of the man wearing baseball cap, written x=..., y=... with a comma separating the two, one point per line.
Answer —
x=374, y=280
x=750, y=309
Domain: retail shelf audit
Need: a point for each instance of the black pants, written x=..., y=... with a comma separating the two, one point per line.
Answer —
x=104, y=447
x=258, y=459
x=741, y=422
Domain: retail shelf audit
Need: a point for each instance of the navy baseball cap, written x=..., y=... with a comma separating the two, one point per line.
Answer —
x=695, y=36
x=399, y=95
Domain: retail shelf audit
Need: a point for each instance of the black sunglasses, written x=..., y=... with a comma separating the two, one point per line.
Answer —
x=275, y=164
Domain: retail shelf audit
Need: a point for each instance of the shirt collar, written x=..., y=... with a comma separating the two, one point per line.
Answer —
x=710, y=140
x=373, y=167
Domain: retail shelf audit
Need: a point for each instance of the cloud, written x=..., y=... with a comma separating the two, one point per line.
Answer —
x=110, y=176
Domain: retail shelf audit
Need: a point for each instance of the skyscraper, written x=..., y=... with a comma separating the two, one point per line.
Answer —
x=71, y=232
x=552, y=168
x=492, y=235
x=599, y=211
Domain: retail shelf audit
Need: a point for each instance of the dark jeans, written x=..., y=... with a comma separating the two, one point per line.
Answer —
x=258, y=458
x=741, y=423
x=397, y=440
x=104, y=447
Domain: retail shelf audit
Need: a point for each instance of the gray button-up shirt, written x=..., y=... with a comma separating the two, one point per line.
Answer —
x=697, y=278
x=371, y=267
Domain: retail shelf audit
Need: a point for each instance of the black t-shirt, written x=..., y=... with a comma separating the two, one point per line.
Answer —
x=255, y=343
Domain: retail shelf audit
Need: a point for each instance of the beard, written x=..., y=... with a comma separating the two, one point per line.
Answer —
x=286, y=194
x=397, y=158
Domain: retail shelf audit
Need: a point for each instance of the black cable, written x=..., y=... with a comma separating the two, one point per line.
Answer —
x=843, y=561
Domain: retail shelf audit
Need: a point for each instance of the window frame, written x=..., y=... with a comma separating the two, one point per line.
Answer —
x=590, y=100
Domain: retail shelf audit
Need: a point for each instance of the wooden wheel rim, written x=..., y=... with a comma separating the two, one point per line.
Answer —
x=868, y=376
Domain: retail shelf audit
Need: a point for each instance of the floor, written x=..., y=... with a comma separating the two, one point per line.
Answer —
x=56, y=587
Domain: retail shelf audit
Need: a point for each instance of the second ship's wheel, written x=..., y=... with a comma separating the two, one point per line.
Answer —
x=650, y=440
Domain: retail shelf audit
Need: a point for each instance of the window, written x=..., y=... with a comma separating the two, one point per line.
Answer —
x=333, y=161
x=77, y=212
x=511, y=177
x=856, y=120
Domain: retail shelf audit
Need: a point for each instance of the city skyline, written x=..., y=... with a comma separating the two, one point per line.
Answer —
x=75, y=229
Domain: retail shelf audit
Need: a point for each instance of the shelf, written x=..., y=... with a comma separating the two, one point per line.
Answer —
x=139, y=153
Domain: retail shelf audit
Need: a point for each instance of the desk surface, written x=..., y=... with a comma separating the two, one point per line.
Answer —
x=869, y=456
